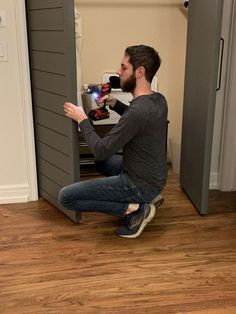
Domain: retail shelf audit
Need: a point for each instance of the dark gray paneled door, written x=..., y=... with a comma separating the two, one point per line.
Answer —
x=201, y=74
x=51, y=37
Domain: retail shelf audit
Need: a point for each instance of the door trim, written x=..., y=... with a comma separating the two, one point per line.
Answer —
x=26, y=99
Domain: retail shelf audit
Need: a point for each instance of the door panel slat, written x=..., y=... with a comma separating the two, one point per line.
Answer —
x=48, y=62
x=44, y=4
x=42, y=19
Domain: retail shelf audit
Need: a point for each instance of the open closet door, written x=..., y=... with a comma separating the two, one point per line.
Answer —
x=51, y=37
x=201, y=74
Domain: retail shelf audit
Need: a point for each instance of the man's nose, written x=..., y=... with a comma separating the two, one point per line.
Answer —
x=118, y=71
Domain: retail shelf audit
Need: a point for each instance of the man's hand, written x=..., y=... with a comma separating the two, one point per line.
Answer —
x=74, y=112
x=110, y=100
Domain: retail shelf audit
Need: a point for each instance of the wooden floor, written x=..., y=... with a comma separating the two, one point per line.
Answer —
x=182, y=263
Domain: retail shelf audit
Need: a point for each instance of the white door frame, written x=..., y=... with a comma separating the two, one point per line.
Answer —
x=22, y=43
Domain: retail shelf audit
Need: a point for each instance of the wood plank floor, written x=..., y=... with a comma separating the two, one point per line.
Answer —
x=182, y=263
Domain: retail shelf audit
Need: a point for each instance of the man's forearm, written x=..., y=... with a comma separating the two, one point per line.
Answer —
x=119, y=107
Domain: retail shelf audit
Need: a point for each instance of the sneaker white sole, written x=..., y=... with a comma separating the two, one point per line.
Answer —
x=143, y=225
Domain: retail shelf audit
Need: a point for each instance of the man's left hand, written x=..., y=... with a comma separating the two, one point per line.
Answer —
x=74, y=112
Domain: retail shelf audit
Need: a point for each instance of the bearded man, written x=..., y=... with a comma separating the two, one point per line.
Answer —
x=136, y=178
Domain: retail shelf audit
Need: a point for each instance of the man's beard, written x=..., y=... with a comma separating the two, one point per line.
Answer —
x=129, y=85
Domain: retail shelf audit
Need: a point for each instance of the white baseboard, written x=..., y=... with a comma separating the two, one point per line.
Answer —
x=214, y=181
x=19, y=193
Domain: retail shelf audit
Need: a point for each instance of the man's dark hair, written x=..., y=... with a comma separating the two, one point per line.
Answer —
x=145, y=56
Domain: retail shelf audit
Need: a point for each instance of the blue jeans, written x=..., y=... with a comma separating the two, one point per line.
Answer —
x=110, y=195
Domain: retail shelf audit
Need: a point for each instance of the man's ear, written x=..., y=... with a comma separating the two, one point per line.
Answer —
x=140, y=72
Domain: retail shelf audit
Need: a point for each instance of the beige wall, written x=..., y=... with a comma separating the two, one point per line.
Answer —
x=17, y=158
x=109, y=26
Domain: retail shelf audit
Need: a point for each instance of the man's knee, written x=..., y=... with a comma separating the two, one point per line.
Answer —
x=63, y=196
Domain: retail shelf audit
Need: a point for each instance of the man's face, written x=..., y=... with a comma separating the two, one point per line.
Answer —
x=127, y=76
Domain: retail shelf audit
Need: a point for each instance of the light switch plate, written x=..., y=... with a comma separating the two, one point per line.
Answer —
x=3, y=51
x=3, y=20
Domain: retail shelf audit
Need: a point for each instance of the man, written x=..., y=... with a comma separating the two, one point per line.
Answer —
x=139, y=175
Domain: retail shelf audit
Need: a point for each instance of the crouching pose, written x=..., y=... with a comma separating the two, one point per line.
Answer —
x=135, y=179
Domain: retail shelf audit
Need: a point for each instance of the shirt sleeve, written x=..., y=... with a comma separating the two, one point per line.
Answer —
x=102, y=148
x=119, y=107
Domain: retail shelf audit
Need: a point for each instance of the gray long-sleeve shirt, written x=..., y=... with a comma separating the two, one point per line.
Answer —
x=141, y=134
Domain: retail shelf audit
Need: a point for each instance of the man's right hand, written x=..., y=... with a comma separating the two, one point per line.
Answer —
x=109, y=99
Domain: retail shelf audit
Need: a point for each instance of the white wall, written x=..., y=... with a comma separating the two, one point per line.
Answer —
x=221, y=96
x=228, y=151
x=17, y=158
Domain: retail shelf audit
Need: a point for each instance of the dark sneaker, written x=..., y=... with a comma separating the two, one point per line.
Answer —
x=158, y=201
x=136, y=222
